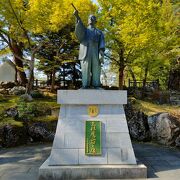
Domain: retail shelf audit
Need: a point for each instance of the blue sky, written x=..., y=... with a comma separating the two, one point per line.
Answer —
x=95, y=1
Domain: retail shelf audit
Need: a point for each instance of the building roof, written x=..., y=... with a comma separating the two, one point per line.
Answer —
x=8, y=61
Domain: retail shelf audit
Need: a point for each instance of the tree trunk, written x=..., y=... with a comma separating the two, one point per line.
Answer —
x=16, y=76
x=174, y=79
x=145, y=79
x=64, y=77
x=18, y=62
x=53, y=80
x=121, y=69
x=50, y=79
x=31, y=76
x=121, y=77
x=133, y=77
x=74, y=74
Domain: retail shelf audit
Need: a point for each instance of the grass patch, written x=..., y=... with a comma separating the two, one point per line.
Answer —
x=38, y=107
x=50, y=102
x=48, y=118
x=150, y=108
x=12, y=101
x=10, y=121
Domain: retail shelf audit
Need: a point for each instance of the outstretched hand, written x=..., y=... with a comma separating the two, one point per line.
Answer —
x=76, y=13
x=101, y=56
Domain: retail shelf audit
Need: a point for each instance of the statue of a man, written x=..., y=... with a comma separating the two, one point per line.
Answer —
x=91, y=52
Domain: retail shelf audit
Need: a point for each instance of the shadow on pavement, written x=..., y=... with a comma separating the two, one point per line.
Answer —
x=162, y=162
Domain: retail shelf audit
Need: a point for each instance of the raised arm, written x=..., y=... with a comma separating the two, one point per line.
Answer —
x=80, y=29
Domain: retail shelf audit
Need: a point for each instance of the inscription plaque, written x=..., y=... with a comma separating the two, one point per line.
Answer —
x=93, y=138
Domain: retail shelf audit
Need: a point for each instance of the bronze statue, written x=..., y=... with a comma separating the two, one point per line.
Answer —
x=91, y=52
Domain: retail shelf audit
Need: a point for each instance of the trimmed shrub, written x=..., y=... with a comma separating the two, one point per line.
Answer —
x=29, y=110
x=37, y=94
x=25, y=98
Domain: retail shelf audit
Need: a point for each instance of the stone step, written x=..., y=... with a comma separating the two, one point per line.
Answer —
x=47, y=172
x=174, y=94
x=175, y=102
x=174, y=98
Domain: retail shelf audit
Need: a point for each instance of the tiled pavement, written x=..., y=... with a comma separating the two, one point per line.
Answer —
x=163, y=163
x=22, y=163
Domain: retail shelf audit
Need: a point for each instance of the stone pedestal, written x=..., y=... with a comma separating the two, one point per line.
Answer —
x=68, y=151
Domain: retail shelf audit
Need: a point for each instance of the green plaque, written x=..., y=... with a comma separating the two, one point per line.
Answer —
x=93, y=138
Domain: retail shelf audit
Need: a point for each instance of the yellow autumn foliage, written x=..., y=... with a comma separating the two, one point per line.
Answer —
x=38, y=16
x=54, y=15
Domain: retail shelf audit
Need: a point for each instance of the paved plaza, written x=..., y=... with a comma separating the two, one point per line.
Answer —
x=22, y=163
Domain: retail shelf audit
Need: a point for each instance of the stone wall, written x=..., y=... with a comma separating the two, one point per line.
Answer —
x=11, y=136
x=137, y=123
x=165, y=129
x=161, y=128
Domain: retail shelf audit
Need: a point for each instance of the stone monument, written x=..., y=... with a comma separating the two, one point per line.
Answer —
x=106, y=153
x=92, y=137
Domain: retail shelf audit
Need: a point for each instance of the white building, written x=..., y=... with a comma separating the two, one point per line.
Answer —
x=7, y=71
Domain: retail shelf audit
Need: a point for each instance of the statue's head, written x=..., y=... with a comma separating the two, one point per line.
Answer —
x=92, y=20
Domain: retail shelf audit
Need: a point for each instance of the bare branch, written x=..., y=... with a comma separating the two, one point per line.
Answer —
x=110, y=57
x=128, y=54
x=4, y=32
x=20, y=23
x=1, y=49
x=22, y=59
x=4, y=38
x=62, y=45
x=36, y=48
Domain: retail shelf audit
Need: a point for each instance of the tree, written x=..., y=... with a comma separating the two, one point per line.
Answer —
x=136, y=31
x=61, y=48
x=71, y=74
x=8, y=38
x=163, y=50
x=21, y=19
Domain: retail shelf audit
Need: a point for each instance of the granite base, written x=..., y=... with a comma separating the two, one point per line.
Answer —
x=77, y=172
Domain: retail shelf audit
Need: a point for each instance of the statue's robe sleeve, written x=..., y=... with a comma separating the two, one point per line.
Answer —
x=102, y=42
x=80, y=30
